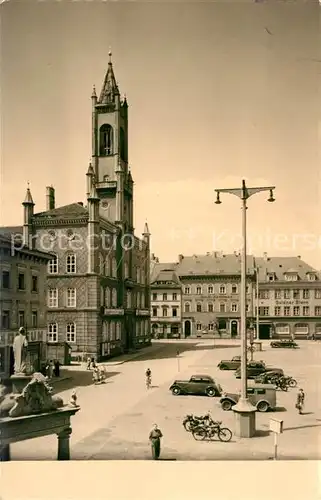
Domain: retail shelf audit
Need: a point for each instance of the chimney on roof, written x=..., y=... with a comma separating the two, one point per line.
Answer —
x=299, y=256
x=265, y=256
x=50, y=198
x=180, y=258
x=80, y=203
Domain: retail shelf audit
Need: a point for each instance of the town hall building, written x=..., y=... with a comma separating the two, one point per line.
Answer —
x=98, y=292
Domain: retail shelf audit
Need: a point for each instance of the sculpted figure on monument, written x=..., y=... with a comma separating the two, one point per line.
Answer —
x=20, y=345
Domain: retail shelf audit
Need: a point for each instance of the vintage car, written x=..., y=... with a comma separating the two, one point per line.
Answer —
x=263, y=396
x=202, y=385
x=230, y=364
x=255, y=368
x=289, y=344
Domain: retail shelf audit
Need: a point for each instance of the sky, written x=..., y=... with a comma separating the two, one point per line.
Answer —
x=217, y=93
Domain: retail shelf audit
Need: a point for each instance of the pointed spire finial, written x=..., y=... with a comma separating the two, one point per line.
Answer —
x=110, y=54
x=28, y=199
x=94, y=92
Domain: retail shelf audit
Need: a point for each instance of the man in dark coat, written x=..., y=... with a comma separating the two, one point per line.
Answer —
x=155, y=436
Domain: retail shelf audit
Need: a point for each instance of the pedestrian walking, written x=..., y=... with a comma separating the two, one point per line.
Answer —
x=50, y=369
x=57, y=368
x=88, y=363
x=155, y=436
x=300, y=401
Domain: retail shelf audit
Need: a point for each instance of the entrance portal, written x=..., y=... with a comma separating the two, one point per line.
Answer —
x=187, y=328
x=264, y=332
x=234, y=328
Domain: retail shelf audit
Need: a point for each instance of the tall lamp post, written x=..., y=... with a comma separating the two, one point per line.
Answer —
x=244, y=410
x=257, y=304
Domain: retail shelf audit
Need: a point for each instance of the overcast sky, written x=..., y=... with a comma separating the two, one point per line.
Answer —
x=217, y=92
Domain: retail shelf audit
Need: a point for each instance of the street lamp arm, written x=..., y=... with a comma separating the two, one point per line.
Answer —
x=254, y=190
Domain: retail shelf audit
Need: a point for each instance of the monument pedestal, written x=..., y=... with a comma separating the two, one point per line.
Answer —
x=244, y=413
x=19, y=382
x=32, y=426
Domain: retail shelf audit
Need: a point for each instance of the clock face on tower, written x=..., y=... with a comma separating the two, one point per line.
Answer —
x=105, y=205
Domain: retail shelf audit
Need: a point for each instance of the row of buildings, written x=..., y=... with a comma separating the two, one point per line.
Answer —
x=76, y=276
x=198, y=296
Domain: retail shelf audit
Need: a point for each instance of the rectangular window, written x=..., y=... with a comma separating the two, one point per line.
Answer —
x=306, y=310
x=234, y=308
x=5, y=320
x=210, y=308
x=211, y=327
x=174, y=296
x=277, y=311
x=198, y=327
x=264, y=294
x=164, y=312
x=71, y=297
x=154, y=296
x=210, y=290
x=5, y=279
x=264, y=311
x=34, y=284
x=287, y=294
x=52, y=334
x=222, y=308
x=306, y=294
x=287, y=310
x=234, y=288
x=21, y=318
x=164, y=296
x=34, y=319
x=296, y=311
x=154, y=311
x=296, y=294
x=174, y=312
x=277, y=294
x=222, y=289
x=71, y=333
x=71, y=263
x=53, y=266
x=198, y=290
x=317, y=310
x=21, y=281
x=198, y=308
x=317, y=294
x=52, y=297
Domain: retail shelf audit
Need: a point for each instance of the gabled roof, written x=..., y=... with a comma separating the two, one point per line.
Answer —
x=282, y=265
x=213, y=264
x=71, y=210
x=157, y=267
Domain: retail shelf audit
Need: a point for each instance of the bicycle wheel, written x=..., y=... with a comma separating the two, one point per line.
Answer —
x=225, y=435
x=199, y=434
x=292, y=382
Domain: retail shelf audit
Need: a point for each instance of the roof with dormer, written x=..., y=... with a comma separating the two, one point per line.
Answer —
x=167, y=277
x=214, y=263
x=280, y=266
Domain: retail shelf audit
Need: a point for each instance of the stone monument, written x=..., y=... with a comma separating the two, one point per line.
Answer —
x=20, y=378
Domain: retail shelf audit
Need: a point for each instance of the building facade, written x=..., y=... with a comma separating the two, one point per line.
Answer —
x=289, y=298
x=98, y=293
x=22, y=302
x=166, y=305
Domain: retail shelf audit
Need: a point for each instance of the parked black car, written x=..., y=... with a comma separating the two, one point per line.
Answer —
x=255, y=368
x=202, y=385
x=288, y=344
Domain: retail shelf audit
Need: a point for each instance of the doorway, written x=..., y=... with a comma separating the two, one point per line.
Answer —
x=187, y=328
x=234, y=328
x=264, y=332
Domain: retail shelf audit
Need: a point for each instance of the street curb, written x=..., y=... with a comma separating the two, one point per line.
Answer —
x=133, y=356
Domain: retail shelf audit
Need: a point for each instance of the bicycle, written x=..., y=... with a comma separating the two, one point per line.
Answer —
x=202, y=432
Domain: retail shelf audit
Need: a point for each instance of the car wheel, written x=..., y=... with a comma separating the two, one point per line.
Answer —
x=176, y=391
x=210, y=392
x=226, y=405
x=262, y=406
x=293, y=383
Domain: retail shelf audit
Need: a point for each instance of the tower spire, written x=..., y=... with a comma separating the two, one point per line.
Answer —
x=110, y=88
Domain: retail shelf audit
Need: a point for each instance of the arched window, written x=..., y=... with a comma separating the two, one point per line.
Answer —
x=114, y=268
x=123, y=152
x=187, y=307
x=142, y=300
x=107, y=266
x=138, y=275
x=118, y=330
x=53, y=265
x=210, y=307
x=107, y=297
x=106, y=140
x=71, y=332
x=129, y=299
x=126, y=270
x=114, y=297
x=102, y=296
x=71, y=263
x=101, y=264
